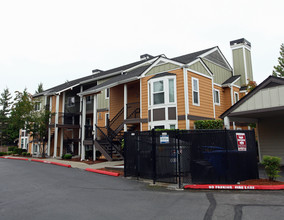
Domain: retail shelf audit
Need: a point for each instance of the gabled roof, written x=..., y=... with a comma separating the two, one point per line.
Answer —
x=271, y=81
x=188, y=58
x=117, y=80
x=231, y=80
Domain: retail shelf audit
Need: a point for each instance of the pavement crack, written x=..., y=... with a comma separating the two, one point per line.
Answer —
x=211, y=208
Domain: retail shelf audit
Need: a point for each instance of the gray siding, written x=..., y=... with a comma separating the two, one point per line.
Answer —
x=238, y=63
x=249, y=64
x=265, y=98
x=103, y=103
x=199, y=68
x=220, y=74
x=271, y=138
x=162, y=68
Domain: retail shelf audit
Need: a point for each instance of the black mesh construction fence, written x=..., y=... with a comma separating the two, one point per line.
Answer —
x=191, y=156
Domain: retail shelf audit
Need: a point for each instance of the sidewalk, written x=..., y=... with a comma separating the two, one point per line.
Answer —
x=79, y=165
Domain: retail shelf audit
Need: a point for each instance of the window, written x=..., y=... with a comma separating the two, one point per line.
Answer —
x=106, y=119
x=236, y=96
x=107, y=93
x=195, y=91
x=171, y=90
x=162, y=91
x=158, y=93
x=37, y=106
x=216, y=97
x=71, y=101
x=159, y=127
x=172, y=126
x=88, y=99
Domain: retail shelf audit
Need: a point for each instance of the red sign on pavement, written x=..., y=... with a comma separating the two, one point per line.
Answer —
x=241, y=140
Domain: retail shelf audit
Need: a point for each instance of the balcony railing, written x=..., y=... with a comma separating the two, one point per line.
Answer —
x=66, y=118
x=133, y=110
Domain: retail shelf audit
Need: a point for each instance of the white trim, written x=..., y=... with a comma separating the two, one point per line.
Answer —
x=56, y=128
x=204, y=65
x=232, y=97
x=239, y=46
x=83, y=128
x=192, y=91
x=80, y=121
x=218, y=91
x=94, y=117
x=125, y=105
x=215, y=84
x=186, y=102
x=107, y=97
x=236, y=93
x=213, y=89
x=198, y=73
x=230, y=85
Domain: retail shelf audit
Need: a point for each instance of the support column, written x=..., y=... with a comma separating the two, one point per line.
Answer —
x=80, y=121
x=49, y=129
x=94, y=127
x=62, y=129
x=125, y=106
x=227, y=123
x=83, y=128
x=185, y=79
x=55, y=126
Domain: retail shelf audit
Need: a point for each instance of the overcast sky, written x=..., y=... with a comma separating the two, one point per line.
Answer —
x=57, y=40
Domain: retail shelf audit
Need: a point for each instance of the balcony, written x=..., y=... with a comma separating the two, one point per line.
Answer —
x=68, y=120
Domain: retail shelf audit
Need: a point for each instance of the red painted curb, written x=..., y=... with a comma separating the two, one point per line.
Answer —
x=235, y=186
x=15, y=158
x=49, y=162
x=102, y=172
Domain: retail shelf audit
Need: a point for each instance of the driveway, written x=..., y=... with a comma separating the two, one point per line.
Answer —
x=30, y=190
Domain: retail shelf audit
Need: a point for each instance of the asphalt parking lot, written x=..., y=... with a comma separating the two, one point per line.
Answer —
x=30, y=190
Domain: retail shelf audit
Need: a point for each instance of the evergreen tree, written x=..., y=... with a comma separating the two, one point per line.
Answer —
x=39, y=88
x=5, y=107
x=20, y=113
x=279, y=69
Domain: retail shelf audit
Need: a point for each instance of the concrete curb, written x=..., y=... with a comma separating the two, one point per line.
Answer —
x=49, y=162
x=234, y=187
x=15, y=158
x=102, y=172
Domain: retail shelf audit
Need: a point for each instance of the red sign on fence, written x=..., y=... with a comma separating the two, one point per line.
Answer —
x=241, y=140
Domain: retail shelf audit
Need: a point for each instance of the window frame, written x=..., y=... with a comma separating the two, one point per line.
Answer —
x=218, y=92
x=107, y=93
x=235, y=101
x=193, y=91
x=69, y=101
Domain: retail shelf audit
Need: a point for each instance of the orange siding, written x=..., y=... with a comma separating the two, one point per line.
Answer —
x=144, y=101
x=116, y=101
x=133, y=92
x=205, y=94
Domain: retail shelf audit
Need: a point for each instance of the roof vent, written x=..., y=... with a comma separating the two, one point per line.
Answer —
x=96, y=71
x=145, y=56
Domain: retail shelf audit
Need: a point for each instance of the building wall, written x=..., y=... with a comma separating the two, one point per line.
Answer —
x=116, y=100
x=102, y=102
x=271, y=137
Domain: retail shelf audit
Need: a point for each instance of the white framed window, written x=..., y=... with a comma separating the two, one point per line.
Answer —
x=236, y=97
x=195, y=92
x=37, y=106
x=216, y=97
x=106, y=118
x=158, y=92
x=172, y=126
x=107, y=93
x=162, y=91
x=71, y=101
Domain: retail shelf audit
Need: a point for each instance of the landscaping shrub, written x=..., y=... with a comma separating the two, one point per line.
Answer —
x=19, y=151
x=271, y=166
x=67, y=156
x=9, y=152
x=11, y=148
x=89, y=154
x=209, y=124
x=28, y=154
x=3, y=153
x=24, y=154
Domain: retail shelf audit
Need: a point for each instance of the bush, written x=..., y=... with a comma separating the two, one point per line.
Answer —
x=271, y=166
x=11, y=148
x=3, y=153
x=19, y=151
x=24, y=154
x=28, y=154
x=89, y=154
x=209, y=124
x=9, y=152
x=67, y=156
